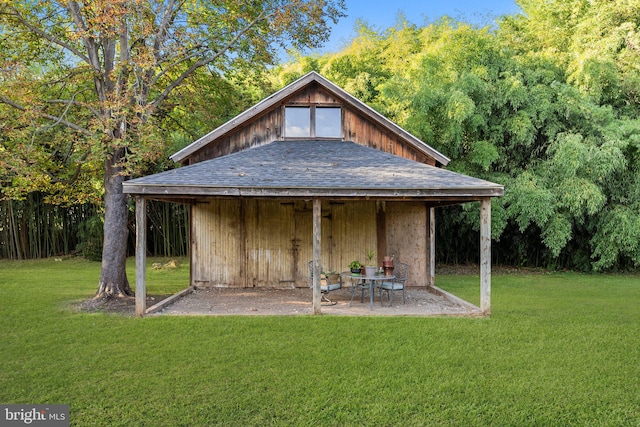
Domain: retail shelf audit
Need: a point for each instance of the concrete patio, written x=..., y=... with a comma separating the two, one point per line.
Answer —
x=420, y=301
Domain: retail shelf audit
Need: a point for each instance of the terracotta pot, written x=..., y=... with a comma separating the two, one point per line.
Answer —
x=387, y=266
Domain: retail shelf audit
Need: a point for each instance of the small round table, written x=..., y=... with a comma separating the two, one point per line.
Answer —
x=365, y=278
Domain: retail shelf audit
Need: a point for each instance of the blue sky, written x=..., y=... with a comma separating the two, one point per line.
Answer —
x=382, y=14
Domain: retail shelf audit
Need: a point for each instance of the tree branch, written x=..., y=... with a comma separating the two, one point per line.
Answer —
x=74, y=102
x=198, y=50
x=90, y=44
x=76, y=173
x=170, y=13
x=188, y=72
x=56, y=119
x=47, y=36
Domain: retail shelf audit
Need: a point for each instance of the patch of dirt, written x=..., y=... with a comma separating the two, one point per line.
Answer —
x=124, y=305
x=284, y=302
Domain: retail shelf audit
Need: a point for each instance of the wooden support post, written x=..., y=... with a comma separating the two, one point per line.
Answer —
x=141, y=255
x=317, y=253
x=381, y=231
x=431, y=278
x=485, y=255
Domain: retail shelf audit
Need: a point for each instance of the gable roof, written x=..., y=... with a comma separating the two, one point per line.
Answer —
x=336, y=169
x=296, y=86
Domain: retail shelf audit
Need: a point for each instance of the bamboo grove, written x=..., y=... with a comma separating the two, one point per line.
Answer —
x=31, y=228
x=545, y=102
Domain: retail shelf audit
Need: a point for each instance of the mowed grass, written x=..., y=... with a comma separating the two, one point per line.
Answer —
x=559, y=350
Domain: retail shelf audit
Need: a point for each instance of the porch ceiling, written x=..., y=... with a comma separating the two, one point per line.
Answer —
x=293, y=169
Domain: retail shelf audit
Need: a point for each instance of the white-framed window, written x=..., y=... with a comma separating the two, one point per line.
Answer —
x=312, y=122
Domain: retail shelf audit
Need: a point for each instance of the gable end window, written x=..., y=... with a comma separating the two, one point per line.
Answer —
x=312, y=122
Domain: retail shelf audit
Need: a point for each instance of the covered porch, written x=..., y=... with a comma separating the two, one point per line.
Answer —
x=315, y=173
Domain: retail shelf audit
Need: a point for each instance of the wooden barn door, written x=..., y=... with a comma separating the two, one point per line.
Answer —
x=269, y=231
x=302, y=243
x=348, y=230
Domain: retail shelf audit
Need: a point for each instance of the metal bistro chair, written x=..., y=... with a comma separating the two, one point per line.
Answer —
x=325, y=286
x=401, y=271
x=360, y=284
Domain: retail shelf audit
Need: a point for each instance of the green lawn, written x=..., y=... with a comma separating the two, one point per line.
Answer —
x=559, y=350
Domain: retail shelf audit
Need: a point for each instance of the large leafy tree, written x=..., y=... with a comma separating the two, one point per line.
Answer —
x=591, y=168
x=84, y=81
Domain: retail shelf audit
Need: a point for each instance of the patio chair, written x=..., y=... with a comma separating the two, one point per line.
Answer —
x=325, y=286
x=401, y=271
x=362, y=286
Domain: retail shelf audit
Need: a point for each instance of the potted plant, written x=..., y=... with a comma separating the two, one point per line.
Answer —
x=370, y=268
x=387, y=265
x=356, y=267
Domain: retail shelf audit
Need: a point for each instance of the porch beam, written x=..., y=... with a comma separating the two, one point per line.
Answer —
x=485, y=256
x=141, y=255
x=317, y=233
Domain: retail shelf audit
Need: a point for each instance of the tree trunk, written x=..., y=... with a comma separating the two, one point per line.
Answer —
x=113, y=275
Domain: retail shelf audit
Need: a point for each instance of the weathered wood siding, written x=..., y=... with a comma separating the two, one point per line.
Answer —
x=367, y=133
x=407, y=237
x=216, y=243
x=269, y=230
x=267, y=128
x=268, y=243
x=312, y=95
x=260, y=131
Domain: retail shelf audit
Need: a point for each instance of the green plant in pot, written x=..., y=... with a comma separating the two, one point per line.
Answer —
x=356, y=267
x=370, y=268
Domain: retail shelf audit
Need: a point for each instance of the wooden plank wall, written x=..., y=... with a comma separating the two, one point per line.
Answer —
x=269, y=233
x=407, y=237
x=312, y=95
x=267, y=128
x=367, y=133
x=260, y=131
x=268, y=243
x=216, y=243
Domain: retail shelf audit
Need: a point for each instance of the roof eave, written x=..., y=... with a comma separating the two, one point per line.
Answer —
x=295, y=192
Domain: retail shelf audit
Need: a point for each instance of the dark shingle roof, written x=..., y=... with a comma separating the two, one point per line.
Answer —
x=312, y=168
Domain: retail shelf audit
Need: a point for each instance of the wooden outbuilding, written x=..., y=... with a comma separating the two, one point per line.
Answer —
x=309, y=173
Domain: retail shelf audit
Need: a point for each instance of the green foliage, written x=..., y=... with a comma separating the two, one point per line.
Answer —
x=355, y=264
x=616, y=240
x=90, y=236
x=529, y=201
x=90, y=87
x=542, y=104
x=34, y=228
